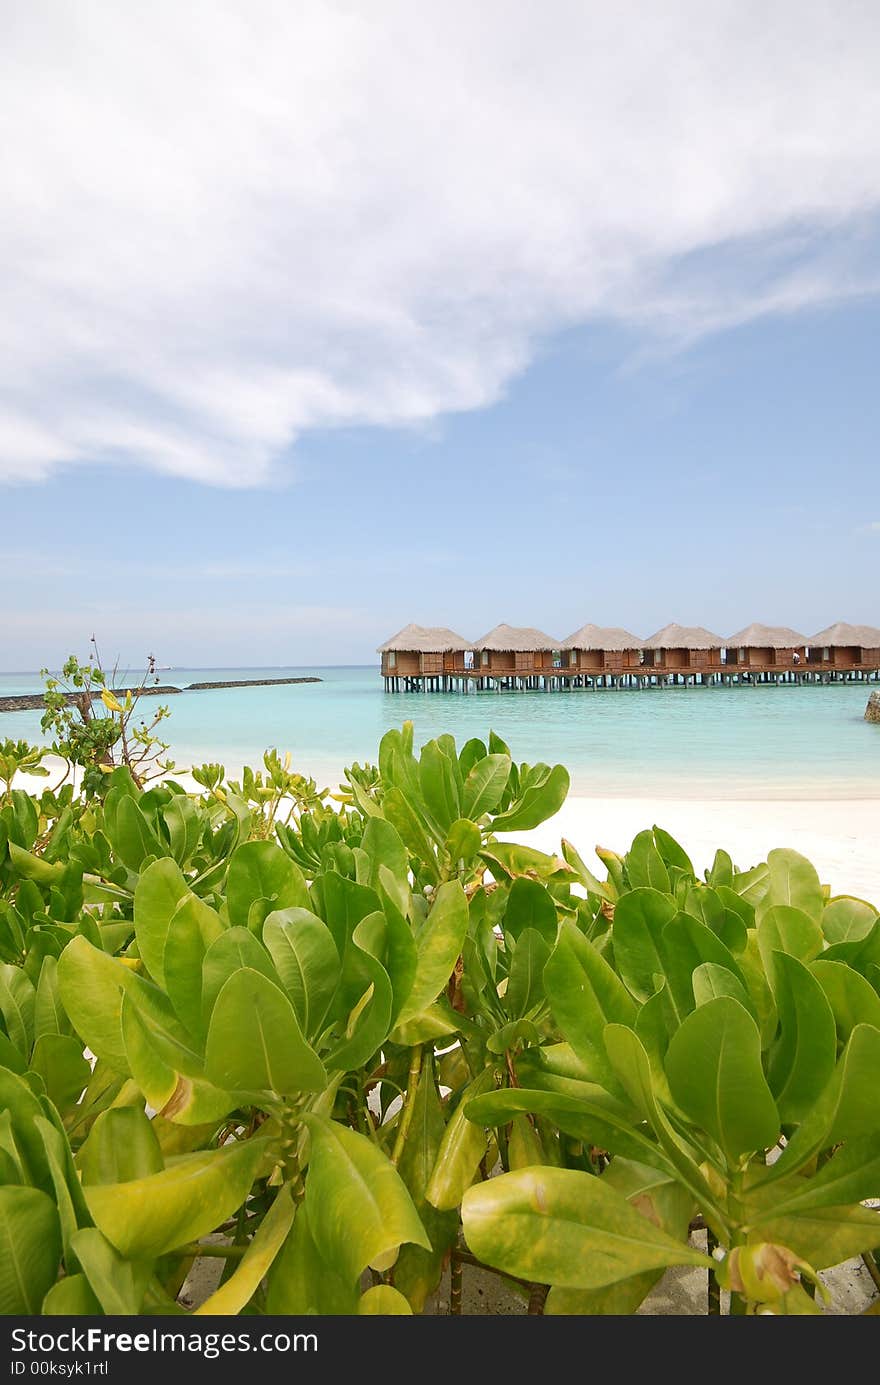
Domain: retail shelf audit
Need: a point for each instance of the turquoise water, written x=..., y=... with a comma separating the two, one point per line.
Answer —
x=763, y=742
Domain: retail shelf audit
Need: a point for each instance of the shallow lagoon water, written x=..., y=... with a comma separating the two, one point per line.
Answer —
x=742, y=742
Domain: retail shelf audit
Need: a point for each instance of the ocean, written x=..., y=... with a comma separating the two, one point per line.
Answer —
x=719, y=743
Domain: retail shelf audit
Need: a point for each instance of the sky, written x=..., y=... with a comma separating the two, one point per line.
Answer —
x=319, y=319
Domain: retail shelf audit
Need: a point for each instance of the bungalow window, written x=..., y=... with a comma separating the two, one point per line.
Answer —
x=742, y=656
x=392, y=659
x=484, y=657
x=572, y=658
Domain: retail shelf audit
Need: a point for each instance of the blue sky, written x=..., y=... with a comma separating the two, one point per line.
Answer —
x=280, y=375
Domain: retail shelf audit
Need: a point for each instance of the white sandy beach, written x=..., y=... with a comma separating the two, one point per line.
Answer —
x=840, y=836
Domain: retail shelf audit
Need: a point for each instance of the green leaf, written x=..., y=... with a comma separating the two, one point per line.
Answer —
x=300, y=1283
x=604, y=889
x=438, y=781
x=633, y=1067
x=685, y=945
x=147, y=1217
x=561, y=1226
x=672, y=853
x=120, y=1147
x=614, y=1300
x=157, y=894
x=530, y=905
x=184, y=822
x=30, y=1249
x=645, y=866
x=714, y=1068
x=59, y=1060
x=846, y=1109
x=438, y=948
x=408, y=823
x=358, y=1205
x=852, y=998
x=803, y=1058
x=92, y=986
x=792, y=880
x=851, y=1175
x=594, y=1118
x=49, y=1013
x=71, y=1297
x=117, y=1283
x=639, y=920
x=366, y=989
x=18, y=1101
x=343, y=903
x=384, y=846
x=461, y=1149
x=789, y=930
x=17, y=1002
x=824, y=1236
x=417, y=1270
x=69, y=1200
x=234, y=949
x=193, y=928
x=305, y=957
x=585, y=994
x=132, y=837
x=261, y=872
x=513, y=860
x=710, y=980
x=240, y=1288
x=847, y=920
x=384, y=1300
x=463, y=841
x=255, y=1042
x=525, y=985
x=540, y=801
x=30, y=867
x=485, y=785
x=181, y=1097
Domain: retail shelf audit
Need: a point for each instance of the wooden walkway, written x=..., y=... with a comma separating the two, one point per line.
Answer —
x=565, y=680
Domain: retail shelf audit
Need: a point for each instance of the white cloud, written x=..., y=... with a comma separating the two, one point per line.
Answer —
x=225, y=223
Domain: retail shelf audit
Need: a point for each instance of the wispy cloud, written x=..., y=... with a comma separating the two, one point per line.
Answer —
x=226, y=224
x=17, y=564
x=873, y=528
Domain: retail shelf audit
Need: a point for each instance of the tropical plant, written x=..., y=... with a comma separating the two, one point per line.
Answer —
x=338, y=1051
x=94, y=730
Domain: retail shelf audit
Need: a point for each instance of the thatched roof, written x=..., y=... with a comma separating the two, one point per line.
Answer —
x=757, y=636
x=684, y=637
x=841, y=634
x=506, y=638
x=425, y=640
x=609, y=637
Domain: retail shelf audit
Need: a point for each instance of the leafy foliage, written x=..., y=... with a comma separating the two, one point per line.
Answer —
x=325, y=1042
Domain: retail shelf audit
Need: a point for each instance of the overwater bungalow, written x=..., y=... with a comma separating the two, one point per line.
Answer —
x=844, y=650
x=765, y=653
x=419, y=657
x=600, y=654
x=688, y=652
x=438, y=660
x=516, y=656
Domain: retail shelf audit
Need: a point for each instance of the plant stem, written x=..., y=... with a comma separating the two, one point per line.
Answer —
x=713, y=1288
x=537, y=1299
x=870, y=1264
x=406, y=1114
x=225, y=1252
x=455, y=1285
